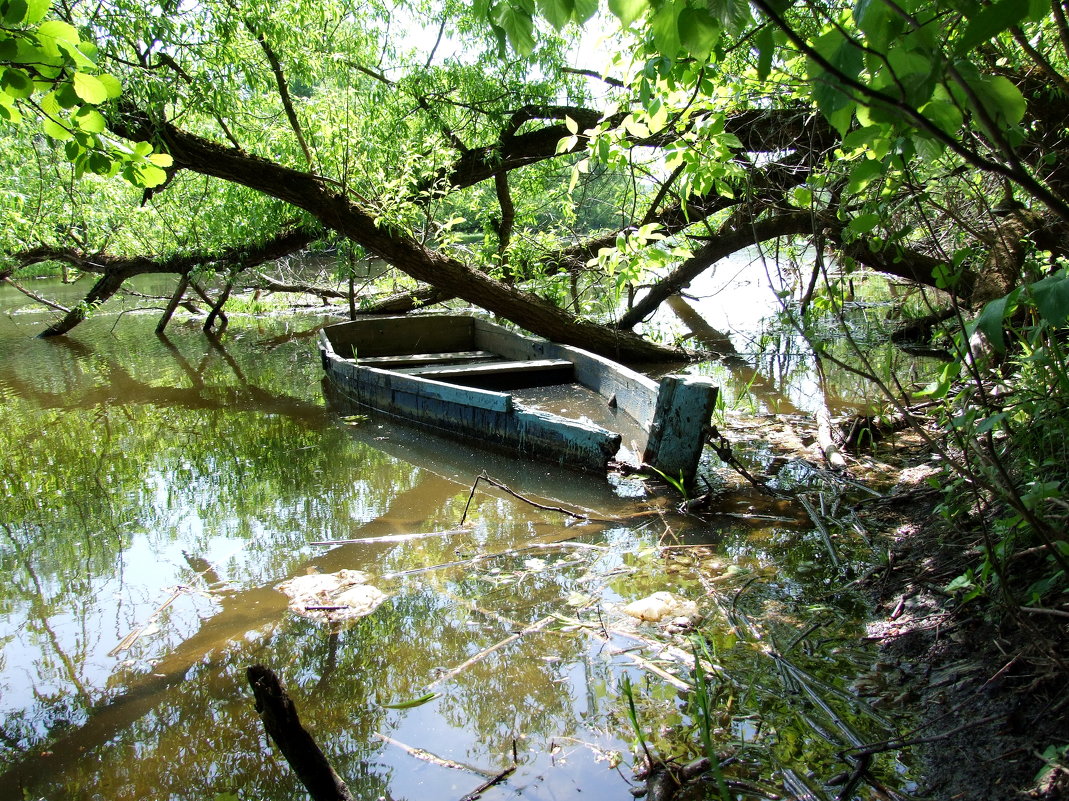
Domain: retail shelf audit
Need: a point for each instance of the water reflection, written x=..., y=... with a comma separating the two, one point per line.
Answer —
x=165, y=486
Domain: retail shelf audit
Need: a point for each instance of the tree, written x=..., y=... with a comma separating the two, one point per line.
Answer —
x=706, y=131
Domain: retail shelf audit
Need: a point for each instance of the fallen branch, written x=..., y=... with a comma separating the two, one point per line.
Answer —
x=478, y=791
x=283, y=726
x=34, y=296
x=536, y=626
x=502, y=486
x=393, y=537
x=434, y=759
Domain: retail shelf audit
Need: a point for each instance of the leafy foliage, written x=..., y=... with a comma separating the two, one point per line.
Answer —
x=49, y=69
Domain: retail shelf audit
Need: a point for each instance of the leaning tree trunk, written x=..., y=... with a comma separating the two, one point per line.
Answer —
x=102, y=290
x=337, y=212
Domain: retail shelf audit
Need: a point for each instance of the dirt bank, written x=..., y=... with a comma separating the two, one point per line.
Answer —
x=987, y=679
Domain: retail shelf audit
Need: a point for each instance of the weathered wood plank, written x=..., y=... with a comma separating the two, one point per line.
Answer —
x=461, y=371
x=393, y=336
x=680, y=425
x=382, y=384
x=421, y=359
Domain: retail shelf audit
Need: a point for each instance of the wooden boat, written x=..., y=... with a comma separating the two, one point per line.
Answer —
x=455, y=375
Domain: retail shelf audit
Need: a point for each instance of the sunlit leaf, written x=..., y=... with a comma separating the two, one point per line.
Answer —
x=36, y=10
x=53, y=31
x=55, y=130
x=89, y=88
x=111, y=84
x=89, y=120
x=698, y=31
x=627, y=11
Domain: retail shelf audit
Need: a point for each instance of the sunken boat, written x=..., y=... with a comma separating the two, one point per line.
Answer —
x=464, y=378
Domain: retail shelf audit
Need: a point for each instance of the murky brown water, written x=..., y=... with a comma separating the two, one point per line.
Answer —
x=163, y=488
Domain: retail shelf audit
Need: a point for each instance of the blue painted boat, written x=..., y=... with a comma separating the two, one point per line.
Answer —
x=457, y=376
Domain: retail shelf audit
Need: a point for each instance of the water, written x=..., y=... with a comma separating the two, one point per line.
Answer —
x=155, y=491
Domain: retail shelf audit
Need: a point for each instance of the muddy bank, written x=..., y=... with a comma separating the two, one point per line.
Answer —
x=986, y=680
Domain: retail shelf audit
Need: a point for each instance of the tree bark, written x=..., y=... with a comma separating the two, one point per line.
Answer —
x=337, y=212
x=283, y=725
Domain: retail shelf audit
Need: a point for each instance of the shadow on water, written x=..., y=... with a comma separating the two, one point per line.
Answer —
x=166, y=486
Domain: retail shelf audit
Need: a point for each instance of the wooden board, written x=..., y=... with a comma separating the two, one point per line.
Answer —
x=399, y=336
x=423, y=359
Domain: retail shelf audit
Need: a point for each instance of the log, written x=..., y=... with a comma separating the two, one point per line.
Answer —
x=283, y=726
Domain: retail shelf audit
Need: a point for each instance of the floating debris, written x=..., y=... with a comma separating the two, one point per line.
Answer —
x=661, y=605
x=332, y=597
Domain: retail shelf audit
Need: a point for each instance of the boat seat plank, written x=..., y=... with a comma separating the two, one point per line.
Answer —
x=462, y=371
x=424, y=359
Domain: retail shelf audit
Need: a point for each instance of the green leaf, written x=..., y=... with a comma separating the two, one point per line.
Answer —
x=731, y=15
x=55, y=130
x=54, y=31
x=111, y=84
x=584, y=10
x=517, y=24
x=557, y=12
x=863, y=174
x=100, y=163
x=863, y=223
x=9, y=48
x=89, y=88
x=16, y=83
x=991, y=21
x=9, y=113
x=878, y=21
x=165, y=160
x=665, y=28
x=801, y=197
x=414, y=702
x=765, y=51
x=698, y=31
x=1002, y=99
x=1052, y=297
x=15, y=12
x=66, y=96
x=946, y=116
x=142, y=149
x=149, y=176
x=89, y=120
x=989, y=321
x=627, y=11
x=36, y=10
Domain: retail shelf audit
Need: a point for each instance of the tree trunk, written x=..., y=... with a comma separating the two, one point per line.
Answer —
x=337, y=212
x=284, y=727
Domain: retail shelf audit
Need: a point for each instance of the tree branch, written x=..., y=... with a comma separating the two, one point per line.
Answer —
x=283, y=90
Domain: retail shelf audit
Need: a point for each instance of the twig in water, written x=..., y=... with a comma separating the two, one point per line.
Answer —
x=539, y=624
x=502, y=486
x=131, y=638
x=722, y=447
x=478, y=791
x=392, y=537
x=434, y=759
